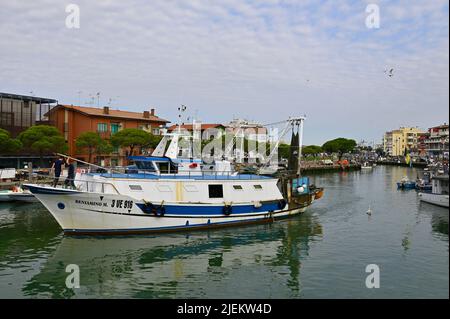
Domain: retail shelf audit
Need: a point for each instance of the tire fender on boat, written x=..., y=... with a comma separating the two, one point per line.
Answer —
x=282, y=203
x=160, y=211
x=148, y=207
x=227, y=209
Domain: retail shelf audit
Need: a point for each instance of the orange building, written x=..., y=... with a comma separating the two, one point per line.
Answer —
x=73, y=120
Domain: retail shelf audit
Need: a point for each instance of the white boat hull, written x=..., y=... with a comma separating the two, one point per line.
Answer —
x=436, y=199
x=97, y=213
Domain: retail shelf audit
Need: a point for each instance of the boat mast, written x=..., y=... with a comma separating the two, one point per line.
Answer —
x=300, y=122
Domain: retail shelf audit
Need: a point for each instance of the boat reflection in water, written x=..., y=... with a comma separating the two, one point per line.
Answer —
x=199, y=264
x=439, y=218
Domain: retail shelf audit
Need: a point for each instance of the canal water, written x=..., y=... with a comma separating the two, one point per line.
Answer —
x=320, y=254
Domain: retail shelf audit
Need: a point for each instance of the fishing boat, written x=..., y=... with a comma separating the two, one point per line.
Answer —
x=17, y=194
x=168, y=193
x=440, y=192
x=405, y=183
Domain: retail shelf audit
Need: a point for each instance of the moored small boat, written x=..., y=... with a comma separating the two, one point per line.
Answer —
x=440, y=192
x=17, y=194
x=405, y=183
x=4, y=196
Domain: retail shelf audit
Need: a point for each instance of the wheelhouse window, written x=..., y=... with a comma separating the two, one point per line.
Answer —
x=215, y=191
x=166, y=167
x=135, y=187
x=237, y=187
x=147, y=166
x=257, y=187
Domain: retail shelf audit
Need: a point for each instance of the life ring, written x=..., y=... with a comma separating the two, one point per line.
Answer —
x=282, y=204
x=227, y=209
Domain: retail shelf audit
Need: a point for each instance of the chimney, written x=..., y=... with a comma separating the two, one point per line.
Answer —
x=152, y=112
x=146, y=114
x=106, y=110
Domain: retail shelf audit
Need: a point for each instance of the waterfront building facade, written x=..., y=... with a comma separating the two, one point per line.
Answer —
x=205, y=131
x=401, y=141
x=73, y=120
x=437, y=141
x=19, y=112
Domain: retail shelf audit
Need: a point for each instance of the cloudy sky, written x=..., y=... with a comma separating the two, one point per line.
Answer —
x=264, y=60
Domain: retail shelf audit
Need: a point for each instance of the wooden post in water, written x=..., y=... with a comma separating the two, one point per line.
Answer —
x=30, y=171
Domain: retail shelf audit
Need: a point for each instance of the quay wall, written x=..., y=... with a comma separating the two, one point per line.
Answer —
x=394, y=163
x=314, y=169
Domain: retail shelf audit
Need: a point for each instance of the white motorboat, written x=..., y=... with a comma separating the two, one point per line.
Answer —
x=168, y=193
x=4, y=196
x=440, y=192
x=17, y=194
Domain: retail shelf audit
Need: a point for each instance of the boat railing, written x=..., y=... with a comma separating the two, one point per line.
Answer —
x=80, y=184
x=208, y=175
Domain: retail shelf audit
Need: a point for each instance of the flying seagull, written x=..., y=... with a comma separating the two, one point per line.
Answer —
x=390, y=73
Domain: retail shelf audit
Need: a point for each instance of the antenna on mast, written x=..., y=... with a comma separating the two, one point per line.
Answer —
x=181, y=109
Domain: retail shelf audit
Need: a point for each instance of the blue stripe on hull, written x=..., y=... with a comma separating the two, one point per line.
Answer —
x=206, y=210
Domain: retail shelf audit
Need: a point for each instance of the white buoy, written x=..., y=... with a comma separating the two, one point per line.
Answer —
x=369, y=211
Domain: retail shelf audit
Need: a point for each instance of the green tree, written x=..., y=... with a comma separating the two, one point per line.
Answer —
x=133, y=138
x=339, y=145
x=92, y=143
x=284, y=150
x=43, y=139
x=8, y=144
x=312, y=150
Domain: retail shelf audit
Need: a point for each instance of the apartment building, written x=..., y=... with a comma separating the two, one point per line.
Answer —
x=73, y=120
x=403, y=140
